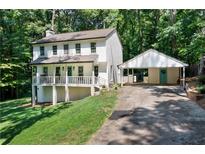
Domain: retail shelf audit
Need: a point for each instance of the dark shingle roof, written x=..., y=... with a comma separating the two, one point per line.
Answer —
x=81, y=35
x=65, y=59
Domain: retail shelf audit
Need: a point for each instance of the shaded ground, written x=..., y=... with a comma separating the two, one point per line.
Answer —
x=153, y=115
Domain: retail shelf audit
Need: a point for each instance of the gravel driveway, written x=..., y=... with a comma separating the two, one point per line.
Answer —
x=153, y=115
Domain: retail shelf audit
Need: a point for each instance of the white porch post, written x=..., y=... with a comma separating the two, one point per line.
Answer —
x=66, y=86
x=54, y=73
x=66, y=74
x=184, y=77
x=66, y=93
x=54, y=95
x=33, y=96
x=93, y=83
x=37, y=78
x=54, y=87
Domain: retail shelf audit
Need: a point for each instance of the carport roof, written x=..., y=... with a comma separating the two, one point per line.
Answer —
x=152, y=59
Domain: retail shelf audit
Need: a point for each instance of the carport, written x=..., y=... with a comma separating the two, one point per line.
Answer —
x=153, y=67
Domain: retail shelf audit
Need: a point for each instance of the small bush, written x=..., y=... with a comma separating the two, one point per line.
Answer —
x=115, y=86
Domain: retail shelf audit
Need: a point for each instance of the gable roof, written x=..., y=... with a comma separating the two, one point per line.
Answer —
x=152, y=58
x=81, y=35
x=65, y=59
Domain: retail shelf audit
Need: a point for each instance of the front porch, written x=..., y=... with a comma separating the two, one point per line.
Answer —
x=56, y=83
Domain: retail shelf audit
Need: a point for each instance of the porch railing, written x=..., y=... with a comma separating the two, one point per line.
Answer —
x=74, y=80
x=46, y=79
x=79, y=79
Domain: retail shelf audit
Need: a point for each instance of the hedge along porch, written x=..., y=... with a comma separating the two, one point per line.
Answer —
x=153, y=67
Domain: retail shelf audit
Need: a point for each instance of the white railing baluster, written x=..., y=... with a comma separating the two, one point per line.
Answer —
x=77, y=80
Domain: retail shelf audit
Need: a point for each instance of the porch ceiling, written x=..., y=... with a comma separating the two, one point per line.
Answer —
x=65, y=59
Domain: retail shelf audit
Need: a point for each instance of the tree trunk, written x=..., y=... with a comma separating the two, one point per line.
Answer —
x=173, y=35
x=53, y=20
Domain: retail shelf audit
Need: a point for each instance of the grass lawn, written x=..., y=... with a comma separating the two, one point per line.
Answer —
x=65, y=123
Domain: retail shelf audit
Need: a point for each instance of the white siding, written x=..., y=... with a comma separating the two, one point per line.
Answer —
x=85, y=49
x=152, y=58
x=114, y=56
x=87, y=68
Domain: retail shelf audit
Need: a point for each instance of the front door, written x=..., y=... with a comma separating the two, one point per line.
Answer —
x=163, y=76
x=69, y=70
x=80, y=71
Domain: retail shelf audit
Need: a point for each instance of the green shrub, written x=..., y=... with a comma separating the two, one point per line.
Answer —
x=201, y=80
x=201, y=89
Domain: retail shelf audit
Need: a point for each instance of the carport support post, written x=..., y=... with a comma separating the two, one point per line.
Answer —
x=121, y=76
x=184, y=77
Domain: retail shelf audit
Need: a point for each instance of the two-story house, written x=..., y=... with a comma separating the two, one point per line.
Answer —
x=71, y=66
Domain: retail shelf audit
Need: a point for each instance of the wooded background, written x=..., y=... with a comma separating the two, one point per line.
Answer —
x=178, y=33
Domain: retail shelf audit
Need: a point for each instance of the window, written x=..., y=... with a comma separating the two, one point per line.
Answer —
x=125, y=72
x=93, y=47
x=80, y=71
x=42, y=51
x=55, y=50
x=77, y=48
x=57, y=71
x=66, y=48
x=96, y=71
x=45, y=70
x=130, y=71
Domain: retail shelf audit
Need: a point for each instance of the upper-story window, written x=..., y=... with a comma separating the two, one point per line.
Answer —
x=66, y=48
x=77, y=48
x=55, y=50
x=93, y=47
x=42, y=52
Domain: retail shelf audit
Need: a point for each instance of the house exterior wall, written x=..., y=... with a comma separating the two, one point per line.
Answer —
x=172, y=75
x=77, y=93
x=85, y=49
x=87, y=68
x=153, y=76
x=114, y=57
x=40, y=95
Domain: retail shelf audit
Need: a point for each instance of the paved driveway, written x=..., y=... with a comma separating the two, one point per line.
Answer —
x=153, y=115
